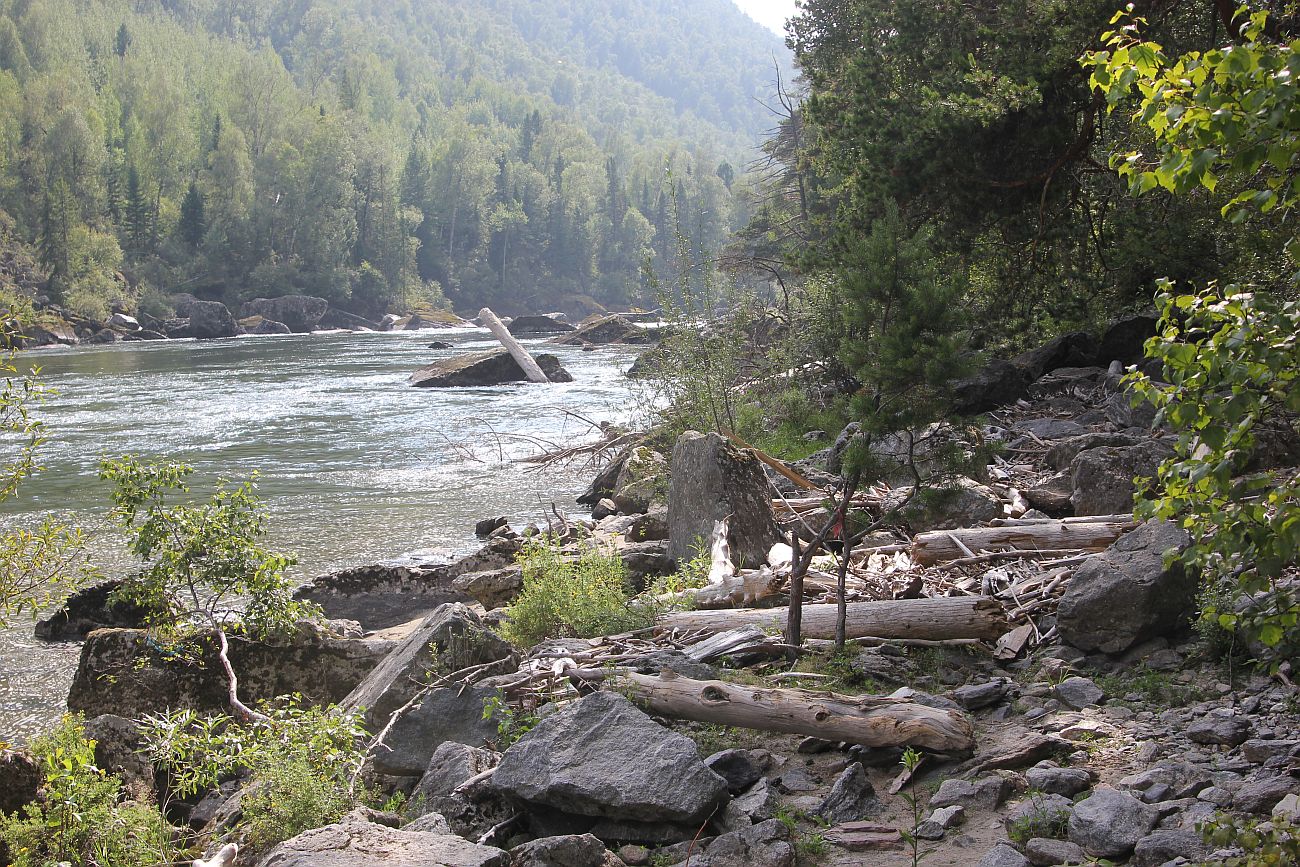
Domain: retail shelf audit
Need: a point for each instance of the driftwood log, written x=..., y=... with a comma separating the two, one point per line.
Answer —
x=940, y=546
x=931, y=619
x=513, y=346
x=872, y=721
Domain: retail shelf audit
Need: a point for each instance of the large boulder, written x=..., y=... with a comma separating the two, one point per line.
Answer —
x=381, y=595
x=608, y=329
x=1104, y=477
x=262, y=326
x=1109, y=823
x=527, y=325
x=1003, y=381
x=482, y=369
x=20, y=779
x=442, y=715
x=713, y=480
x=210, y=320
x=354, y=841
x=127, y=673
x=88, y=609
x=335, y=318
x=602, y=757
x=301, y=313
x=448, y=640
x=642, y=480
x=1124, y=339
x=1127, y=595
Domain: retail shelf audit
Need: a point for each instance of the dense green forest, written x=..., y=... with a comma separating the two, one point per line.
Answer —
x=520, y=154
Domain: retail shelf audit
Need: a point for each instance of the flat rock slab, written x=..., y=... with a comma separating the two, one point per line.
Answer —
x=483, y=369
x=601, y=756
x=355, y=842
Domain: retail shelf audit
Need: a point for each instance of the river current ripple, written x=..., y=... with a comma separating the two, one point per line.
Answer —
x=355, y=466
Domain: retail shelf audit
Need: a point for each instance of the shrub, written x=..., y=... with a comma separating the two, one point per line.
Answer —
x=303, y=764
x=81, y=819
x=571, y=596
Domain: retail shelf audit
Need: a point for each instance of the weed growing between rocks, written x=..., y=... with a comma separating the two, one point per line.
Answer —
x=82, y=818
x=1041, y=819
x=1149, y=686
x=512, y=722
x=566, y=597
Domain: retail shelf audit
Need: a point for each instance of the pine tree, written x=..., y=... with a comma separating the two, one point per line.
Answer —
x=123, y=42
x=57, y=219
x=193, y=222
x=139, y=213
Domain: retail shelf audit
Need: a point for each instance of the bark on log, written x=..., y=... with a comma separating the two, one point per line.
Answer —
x=872, y=721
x=932, y=619
x=752, y=585
x=942, y=545
x=516, y=349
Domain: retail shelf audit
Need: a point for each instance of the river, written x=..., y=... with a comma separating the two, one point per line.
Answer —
x=355, y=465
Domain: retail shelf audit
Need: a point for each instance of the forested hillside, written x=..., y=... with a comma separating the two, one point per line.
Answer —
x=520, y=154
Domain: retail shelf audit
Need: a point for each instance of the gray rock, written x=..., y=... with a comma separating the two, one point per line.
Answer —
x=1109, y=823
x=1226, y=729
x=1049, y=428
x=20, y=779
x=493, y=588
x=851, y=798
x=712, y=480
x=444, y=714
x=1126, y=595
x=1039, y=815
x=985, y=793
x=355, y=842
x=119, y=746
x=124, y=322
x=937, y=823
x=1260, y=751
x=480, y=369
x=1125, y=338
x=737, y=767
x=604, y=507
x=384, y=594
x=88, y=609
x=759, y=802
x=1063, y=452
x=1058, y=781
x=262, y=326
x=451, y=765
x=313, y=662
x=572, y=850
x=451, y=638
x=1172, y=780
x=538, y=325
x=210, y=320
x=1045, y=852
x=978, y=695
x=301, y=314
x=766, y=844
x=341, y=319
x=1164, y=846
x=650, y=527
x=601, y=756
x=1261, y=792
x=1003, y=855
x=963, y=503
x=1103, y=477
x=606, y=330
x=1078, y=692
x=429, y=823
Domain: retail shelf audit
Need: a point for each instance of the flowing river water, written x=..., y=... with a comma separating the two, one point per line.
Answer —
x=355, y=465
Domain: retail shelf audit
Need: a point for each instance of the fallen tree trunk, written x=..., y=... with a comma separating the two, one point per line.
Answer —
x=931, y=619
x=872, y=721
x=752, y=585
x=939, y=546
x=515, y=348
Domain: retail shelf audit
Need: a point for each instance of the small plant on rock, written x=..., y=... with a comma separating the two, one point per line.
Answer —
x=1040, y=820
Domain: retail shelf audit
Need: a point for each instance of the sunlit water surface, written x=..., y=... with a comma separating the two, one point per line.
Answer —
x=355, y=465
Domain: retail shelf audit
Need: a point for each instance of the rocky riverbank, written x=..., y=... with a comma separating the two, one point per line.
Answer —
x=1082, y=717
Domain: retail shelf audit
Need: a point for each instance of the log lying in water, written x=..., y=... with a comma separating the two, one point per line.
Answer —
x=516, y=349
x=931, y=619
x=939, y=546
x=869, y=720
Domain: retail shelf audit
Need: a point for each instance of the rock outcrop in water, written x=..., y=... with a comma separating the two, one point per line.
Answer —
x=301, y=313
x=608, y=329
x=483, y=369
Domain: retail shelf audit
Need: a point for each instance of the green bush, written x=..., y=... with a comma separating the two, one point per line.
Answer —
x=303, y=764
x=81, y=819
x=574, y=597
